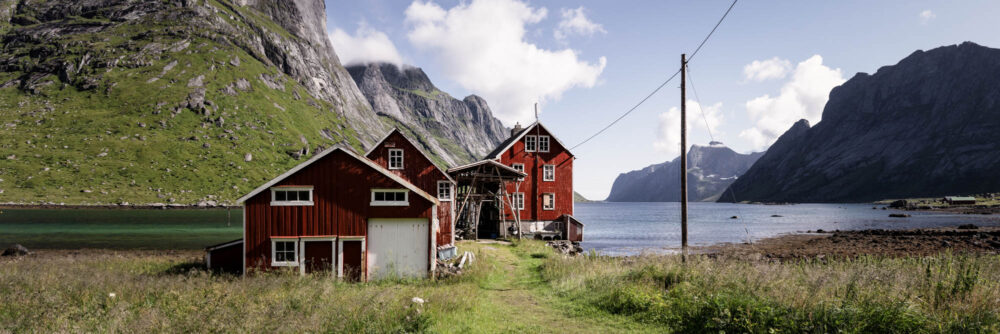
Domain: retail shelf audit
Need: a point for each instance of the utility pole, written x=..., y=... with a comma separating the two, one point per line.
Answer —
x=684, y=164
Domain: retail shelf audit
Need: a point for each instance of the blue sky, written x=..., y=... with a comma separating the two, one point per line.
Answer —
x=587, y=66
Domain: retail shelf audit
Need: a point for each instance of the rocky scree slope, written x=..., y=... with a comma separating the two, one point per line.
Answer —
x=710, y=170
x=460, y=131
x=927, y=126
x=178, y=101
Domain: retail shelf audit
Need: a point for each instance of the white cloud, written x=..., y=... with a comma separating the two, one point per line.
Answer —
x=575, y=21
x=482, y=45
x=366, y=46
x=668, y=134
x=774, y=68
x=802, y=97
x=926, y=16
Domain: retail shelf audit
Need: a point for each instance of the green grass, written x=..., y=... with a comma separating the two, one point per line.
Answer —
x=524, y=287
x=119, y=229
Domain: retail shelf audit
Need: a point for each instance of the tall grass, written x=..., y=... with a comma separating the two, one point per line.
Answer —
x=946, y=293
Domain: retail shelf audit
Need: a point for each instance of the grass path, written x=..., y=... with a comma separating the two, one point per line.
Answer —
x=514, y=299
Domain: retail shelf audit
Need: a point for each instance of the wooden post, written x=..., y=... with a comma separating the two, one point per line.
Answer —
x=684, y=177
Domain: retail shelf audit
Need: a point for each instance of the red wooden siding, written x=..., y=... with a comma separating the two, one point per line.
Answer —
x=533, y=186
x=342, y=206
x=419, y=171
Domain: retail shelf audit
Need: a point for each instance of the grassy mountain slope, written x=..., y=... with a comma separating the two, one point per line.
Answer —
x=97, y=108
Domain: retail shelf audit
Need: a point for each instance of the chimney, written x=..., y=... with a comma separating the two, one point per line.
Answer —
x=517, y=129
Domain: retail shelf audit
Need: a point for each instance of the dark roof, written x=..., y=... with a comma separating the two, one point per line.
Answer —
x=506, y=144
x=224, y=244
x=494, y=163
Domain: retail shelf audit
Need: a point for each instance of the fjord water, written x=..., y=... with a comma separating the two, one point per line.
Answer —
x=631, y=228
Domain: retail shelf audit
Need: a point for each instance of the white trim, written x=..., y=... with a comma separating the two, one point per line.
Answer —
x=451, y=191
x=515, y=166
x=404, y=202
x=534, y=143
x=340, y=255
x=364, y=160
x=517, y=206
x=546, y=179
x=553, y=201
x=522, y=134
x=275, y=202
x=302, y=250
x=487, y=161
x=548, y=143
x=379, y=143
x=402, y=158
x=223, y=245
x=295, y=242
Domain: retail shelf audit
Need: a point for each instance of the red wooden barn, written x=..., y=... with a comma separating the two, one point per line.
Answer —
x=343, y=213
x=397, y=153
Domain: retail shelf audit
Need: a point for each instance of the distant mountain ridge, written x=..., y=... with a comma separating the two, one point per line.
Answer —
x=459, y=131
x=710, y=170
x=927, y=126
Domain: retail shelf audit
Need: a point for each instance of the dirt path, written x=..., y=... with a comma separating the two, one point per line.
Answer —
x=517, y=302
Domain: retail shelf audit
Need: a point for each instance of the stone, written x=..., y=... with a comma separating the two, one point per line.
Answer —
x=248, y=157
x=16, y=250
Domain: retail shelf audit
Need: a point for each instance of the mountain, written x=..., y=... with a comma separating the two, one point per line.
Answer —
x=710, y=170
x=178, y=101
x=460, y=130
x=927, y=126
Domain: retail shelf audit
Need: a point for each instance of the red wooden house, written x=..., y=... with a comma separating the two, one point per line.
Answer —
x=343, y=213
x=397, y=153
x=543, y=199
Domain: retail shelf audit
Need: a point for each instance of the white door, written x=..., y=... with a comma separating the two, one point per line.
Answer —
x=398, y=248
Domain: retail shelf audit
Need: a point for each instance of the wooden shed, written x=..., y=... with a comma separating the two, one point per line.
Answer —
x=341, y=213
x=401, y=156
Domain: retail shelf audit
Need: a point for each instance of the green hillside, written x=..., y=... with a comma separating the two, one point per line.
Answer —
x=109, y=111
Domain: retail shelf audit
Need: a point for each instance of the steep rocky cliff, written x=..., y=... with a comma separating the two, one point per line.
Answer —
x=174, y=101
x=710, y=170
x=460, y=130
x=927, y=126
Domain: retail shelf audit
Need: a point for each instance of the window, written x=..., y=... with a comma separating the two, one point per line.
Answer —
x=543, y=143
x=291, y=196
x=283, y=252
x=518, y=201
x=444, y=190
x=389, y=197
x=395, y=158
x=549, y=201
x=519, y=168
x=529, y=143
x=549, y=173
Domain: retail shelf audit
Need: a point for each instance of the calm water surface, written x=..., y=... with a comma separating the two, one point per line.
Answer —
x=630, y=228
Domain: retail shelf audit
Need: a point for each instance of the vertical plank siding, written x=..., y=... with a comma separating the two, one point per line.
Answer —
x=341, y=206
x=533, y=185
x=419, y=171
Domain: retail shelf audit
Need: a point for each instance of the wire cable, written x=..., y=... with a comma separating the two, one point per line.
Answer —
x=636, y=106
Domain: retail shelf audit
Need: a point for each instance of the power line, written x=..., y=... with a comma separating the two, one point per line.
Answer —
x=662, y=84
x=695, y=53
x=629, y=111
x=700, y=108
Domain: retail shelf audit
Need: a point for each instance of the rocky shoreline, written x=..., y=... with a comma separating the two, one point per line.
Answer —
x=964, y=239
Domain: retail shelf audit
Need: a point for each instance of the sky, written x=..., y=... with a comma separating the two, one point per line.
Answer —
x=768, y=65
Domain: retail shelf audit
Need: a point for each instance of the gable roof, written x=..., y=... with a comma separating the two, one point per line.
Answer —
x=350, y=153
x=507, y=144
x=396, y=130
x=490, y=162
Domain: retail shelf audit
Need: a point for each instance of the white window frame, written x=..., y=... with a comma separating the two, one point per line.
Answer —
x=534, y=143
x=275, y=202
x=545, y=174
x=401, y=158
x=519, y=168
x=404, y=202
x=553, y=207
x=548, y=143
x=518, y=199
x=274, y=252
x=447, y=186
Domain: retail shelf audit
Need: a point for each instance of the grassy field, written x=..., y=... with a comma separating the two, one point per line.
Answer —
x=523, y=287
x=119, y=229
